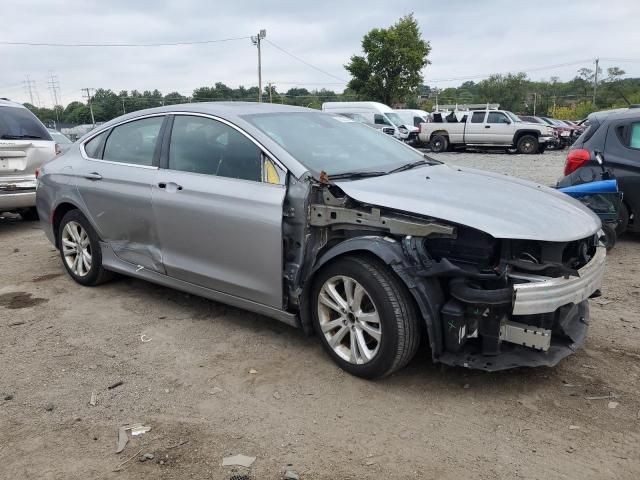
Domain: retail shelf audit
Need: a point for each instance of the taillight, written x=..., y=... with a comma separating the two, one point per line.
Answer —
x=58, y=149
x=576, y=159
x=37, y=172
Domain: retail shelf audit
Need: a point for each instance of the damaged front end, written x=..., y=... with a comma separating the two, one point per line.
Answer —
x=487, y=303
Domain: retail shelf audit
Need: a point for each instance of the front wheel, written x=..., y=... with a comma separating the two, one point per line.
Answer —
x=610, y=236
x=527, y=144
x=80, y=250
x=365, y=317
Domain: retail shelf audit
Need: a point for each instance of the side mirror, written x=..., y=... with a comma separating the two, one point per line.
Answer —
x=599, y=158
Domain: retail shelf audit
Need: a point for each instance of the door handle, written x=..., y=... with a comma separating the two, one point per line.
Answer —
x=487, y=126
x=171, y=186
x=93, y=176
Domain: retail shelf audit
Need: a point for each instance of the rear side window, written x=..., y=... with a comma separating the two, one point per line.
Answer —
x=629, y=135
x=20, y=123
x=133, y=142
x=477, y=117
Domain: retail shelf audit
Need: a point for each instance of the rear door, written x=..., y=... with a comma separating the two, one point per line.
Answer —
x=218, y=208
x=25, y=144
x=114, y=181
x=622, y=151
x=474, y=128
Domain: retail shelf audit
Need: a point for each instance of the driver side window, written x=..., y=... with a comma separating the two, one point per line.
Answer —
x=206, y=146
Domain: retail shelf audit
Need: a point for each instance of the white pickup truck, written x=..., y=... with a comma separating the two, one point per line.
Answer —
x=484, y=128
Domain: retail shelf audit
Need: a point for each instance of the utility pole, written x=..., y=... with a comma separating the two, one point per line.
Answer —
x=29, y=86
x=595, y=82
x=54, y=87
x=93, y=120
x=256, y=41
x=535, y=101
x=124, y=110
x=270, y=92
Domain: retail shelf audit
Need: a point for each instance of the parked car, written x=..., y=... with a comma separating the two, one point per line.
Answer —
x=63, y=142
x=378, y=114
x=556, y=143
x=616, y=135
x=25, y=144
x=327, y=225
x=486, y=128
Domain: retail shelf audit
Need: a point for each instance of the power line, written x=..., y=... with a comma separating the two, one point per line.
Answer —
x=305, y=62
x=167, y=44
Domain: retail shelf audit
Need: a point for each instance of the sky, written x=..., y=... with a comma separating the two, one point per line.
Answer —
x=469, y=39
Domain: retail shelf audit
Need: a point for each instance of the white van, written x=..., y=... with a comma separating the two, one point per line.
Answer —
x=412, y=117
x=376, y=113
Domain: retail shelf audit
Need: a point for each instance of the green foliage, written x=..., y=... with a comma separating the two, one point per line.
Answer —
x=389, y=71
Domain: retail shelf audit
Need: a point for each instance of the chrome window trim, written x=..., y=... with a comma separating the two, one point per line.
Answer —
x=84, y=155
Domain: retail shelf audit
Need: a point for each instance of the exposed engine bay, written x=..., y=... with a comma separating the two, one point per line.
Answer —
x=487, y=303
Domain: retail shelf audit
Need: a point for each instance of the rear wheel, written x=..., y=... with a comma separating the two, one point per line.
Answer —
x=527, y=144
x=80, y=250
x=623, y=219
x=610, y=236
x=439, y=143
x=365, y=317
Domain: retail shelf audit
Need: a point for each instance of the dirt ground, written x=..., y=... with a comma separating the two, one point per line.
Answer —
x=213, y=381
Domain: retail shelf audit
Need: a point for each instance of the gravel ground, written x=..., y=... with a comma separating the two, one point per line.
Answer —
x=213, y=381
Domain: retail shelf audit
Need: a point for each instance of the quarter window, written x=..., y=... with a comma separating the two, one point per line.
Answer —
x=477, y=117
x=634, y=140
x=93, y=148
x=133, y=142
x=203, y=145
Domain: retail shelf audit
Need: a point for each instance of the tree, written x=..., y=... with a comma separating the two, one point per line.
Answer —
x=390, y=69
x=509, y=90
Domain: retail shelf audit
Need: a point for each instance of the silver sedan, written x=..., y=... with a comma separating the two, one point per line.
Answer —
x=328, y=225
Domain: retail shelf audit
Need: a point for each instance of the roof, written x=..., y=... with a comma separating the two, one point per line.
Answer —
x=617, y=114
x=4, y=102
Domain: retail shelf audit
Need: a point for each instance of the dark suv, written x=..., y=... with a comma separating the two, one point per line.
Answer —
x=616, y=134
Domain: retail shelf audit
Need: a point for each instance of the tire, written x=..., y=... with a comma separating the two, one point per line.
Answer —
x=623, y=219
x=439, y=143
x=542, y=148
x=384, y=297
x=29, y=214
x=527, y=144
x=610, y=236
x=76, y=230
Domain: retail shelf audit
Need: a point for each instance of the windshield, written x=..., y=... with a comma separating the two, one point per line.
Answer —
x=395, y=118
x=334, y=144
x=512, y=117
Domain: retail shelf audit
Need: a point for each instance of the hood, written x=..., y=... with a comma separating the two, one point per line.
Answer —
x=502, y=206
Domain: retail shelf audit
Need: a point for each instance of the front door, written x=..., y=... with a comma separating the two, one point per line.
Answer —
x=219, y=211
x=114, y=182
x=498, y=129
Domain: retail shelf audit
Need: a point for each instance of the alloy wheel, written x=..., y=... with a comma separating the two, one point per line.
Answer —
x=76, y=248
x=349, y=320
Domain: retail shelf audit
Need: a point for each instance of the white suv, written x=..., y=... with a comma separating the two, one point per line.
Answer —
x=25, y=144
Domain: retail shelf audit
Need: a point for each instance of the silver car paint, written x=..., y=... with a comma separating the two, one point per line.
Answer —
x=501, y=206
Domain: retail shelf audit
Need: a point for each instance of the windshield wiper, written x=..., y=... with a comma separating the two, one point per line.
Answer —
x=20, y=137
x=343, y=175
x=409, y=166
